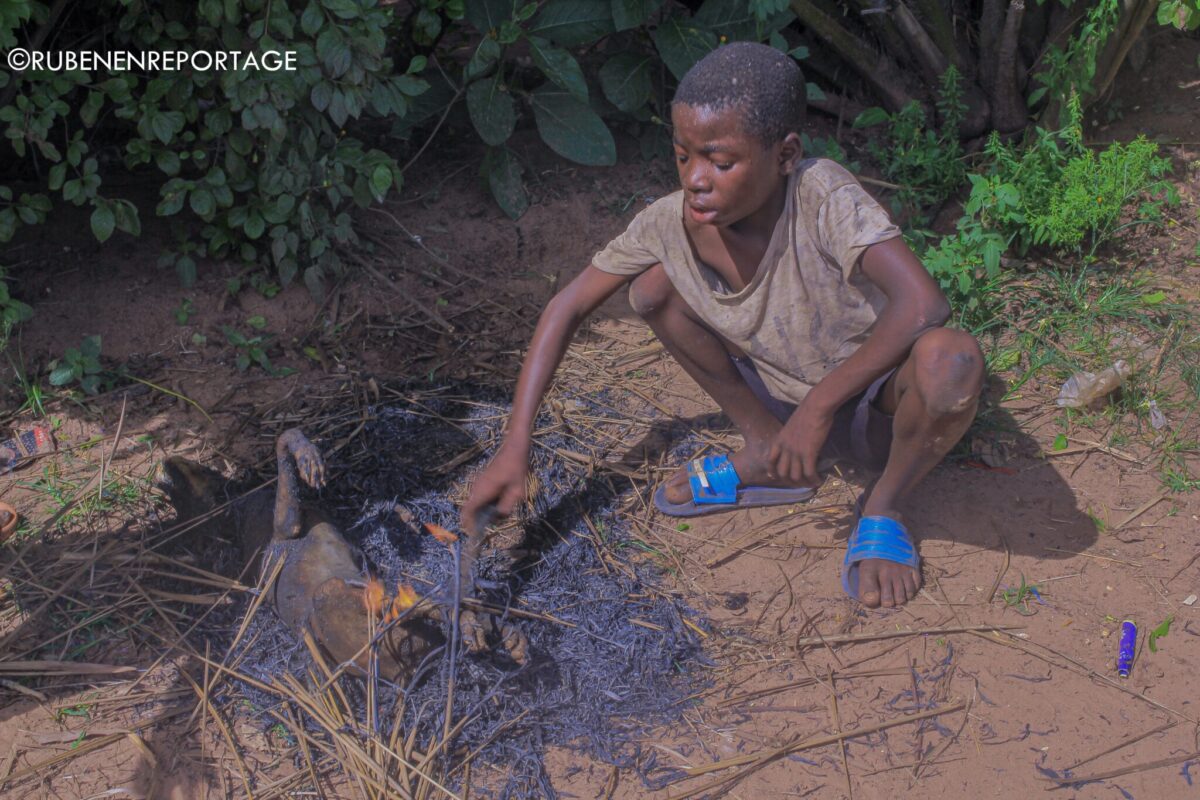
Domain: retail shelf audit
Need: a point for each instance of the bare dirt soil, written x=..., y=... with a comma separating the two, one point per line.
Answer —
x=446, y=293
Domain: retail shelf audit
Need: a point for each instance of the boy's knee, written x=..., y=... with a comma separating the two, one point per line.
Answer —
x=949, y=370
x=651, y=291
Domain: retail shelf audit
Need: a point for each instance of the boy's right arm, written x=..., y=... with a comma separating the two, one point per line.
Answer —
x=502, y=482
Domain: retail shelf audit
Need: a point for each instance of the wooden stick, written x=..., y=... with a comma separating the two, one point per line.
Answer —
x=1124, y=743
x=1018, y=644
x=1116, y=773
x=754, y=761
x=845, y=638
x=837, y=729
x=1142, y=509
x=1093, y=555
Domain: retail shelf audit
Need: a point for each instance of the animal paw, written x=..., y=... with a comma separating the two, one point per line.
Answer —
x=310, y=465
x=476, y=629
x=515, y=642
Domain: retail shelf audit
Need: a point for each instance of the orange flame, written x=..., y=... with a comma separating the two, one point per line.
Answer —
x=406, y=598
x=373, y=597
x=441, y=534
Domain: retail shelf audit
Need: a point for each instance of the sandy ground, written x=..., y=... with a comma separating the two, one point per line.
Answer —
x=1091, y=526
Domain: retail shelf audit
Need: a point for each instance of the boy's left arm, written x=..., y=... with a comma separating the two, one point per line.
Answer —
x=915, y=305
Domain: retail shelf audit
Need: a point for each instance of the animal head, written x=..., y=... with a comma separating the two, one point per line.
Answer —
x=193, y=489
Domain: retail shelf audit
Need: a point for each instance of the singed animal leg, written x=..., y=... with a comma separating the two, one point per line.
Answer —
x=297, y=459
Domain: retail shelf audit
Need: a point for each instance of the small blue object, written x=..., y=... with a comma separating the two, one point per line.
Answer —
x=1126, y=648
x=713, y=480
x=877, y=537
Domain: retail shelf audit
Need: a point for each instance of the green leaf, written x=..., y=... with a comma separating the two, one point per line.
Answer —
x=814, y=92
x=571, y=128
x=320, y=96
x=258, y=322
x=381, y=181
x=872, y=116
x=559, y=66
x=487, y=15
x=61, y=375
x=504, y=179
x=203, y=203
x=492, y=111
x=991, y=255
x=574, y=23
x=682, y=43
x=509, y=32
x=1060, y=442
x=485, y=56
x=1160, y=633
x=90, y=348
x=185, y=268
x=312, y=19
x=1154, y=298
x=255, y=225
x=90, y=110
x=629, y=14
x=58, y=174
x=103, y=222
x=740, y=22
x=626, y=80
x=334, y=51
x=167, y=161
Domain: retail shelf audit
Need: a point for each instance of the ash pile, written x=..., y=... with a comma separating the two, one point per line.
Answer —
x=612, y=654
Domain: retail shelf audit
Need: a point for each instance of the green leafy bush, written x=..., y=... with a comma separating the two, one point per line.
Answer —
x=1071, y=198
x=261, y=159
x=1053, y=192
x=548, y=62
x=925, y=162
x=12, y=311
x=80, y=365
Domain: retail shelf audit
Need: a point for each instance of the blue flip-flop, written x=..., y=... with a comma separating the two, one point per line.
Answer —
x=877, y=537
x=716, y=487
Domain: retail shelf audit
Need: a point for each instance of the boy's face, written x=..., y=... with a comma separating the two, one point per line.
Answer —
x=727, y=174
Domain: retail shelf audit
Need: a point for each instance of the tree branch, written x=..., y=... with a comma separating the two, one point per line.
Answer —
x=942, y=30
x=1135, y=15
x=875, y=68
x=1009, y=112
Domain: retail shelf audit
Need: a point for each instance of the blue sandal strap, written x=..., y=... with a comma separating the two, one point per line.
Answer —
x=877, y=537
x=713, y=479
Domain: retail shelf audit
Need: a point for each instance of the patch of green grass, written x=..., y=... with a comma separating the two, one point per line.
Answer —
x=1019, y=598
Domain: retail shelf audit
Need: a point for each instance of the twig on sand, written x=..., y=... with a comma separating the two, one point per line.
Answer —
x=1137, y=512
x=752, y=762
x=837, y=729
x=846, y=638
x=1093, y=555
x=1082, y=669
x=1124, y=743
x=1003, y=569
x=1117, y=773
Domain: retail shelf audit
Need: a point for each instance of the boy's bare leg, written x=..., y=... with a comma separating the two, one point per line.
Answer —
x=932, y=397
x=705, y=357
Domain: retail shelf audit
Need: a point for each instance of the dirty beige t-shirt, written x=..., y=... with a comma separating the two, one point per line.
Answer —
x=809, y=305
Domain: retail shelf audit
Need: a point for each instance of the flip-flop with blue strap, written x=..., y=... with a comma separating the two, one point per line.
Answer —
x=877, y=537
x=716, y=487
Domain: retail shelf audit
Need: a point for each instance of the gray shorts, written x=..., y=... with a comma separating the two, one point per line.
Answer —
x=861, y=433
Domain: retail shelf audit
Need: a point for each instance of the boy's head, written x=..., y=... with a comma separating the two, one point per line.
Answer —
x=736, y=117
x=764, y=85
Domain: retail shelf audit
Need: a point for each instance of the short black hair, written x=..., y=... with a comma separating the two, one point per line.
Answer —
x=766, y=85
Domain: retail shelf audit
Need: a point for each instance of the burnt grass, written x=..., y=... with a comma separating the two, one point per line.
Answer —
x=624, y=663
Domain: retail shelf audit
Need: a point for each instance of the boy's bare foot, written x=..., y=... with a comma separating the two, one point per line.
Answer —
x=750, y=463
x=886, y=583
